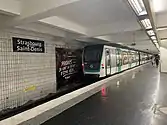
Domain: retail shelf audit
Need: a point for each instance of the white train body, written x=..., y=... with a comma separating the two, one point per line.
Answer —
x=104, y=60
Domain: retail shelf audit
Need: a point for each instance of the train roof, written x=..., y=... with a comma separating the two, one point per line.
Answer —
x=119, y=46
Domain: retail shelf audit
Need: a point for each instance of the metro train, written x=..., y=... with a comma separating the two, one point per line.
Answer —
x=105, y=60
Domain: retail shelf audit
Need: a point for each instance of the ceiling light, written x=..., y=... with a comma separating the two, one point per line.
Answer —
x=150, y=32
x=155, y=41
x=157, y=45
x=146, y=23
x=153, y=38
x=138, y=7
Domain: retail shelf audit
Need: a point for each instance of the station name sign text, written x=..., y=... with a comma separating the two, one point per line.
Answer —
x=28, y=45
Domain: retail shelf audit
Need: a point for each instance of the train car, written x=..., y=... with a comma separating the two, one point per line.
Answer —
x=142, y=58
x=104, y=60
x=145, y=57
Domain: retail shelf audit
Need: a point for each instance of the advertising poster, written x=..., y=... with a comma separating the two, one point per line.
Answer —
x=68, y=66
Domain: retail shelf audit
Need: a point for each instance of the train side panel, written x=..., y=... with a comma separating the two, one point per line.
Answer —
x=104, y=60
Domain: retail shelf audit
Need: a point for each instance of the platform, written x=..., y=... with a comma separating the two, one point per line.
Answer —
x=131, y=102
x=133, y=97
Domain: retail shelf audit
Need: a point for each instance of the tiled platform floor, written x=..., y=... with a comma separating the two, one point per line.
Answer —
x=135, y=101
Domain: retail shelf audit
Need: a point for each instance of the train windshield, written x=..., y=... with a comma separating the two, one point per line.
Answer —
x=92, y=53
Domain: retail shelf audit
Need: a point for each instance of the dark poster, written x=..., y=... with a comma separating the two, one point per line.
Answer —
x=28, y=45
x=68, y=66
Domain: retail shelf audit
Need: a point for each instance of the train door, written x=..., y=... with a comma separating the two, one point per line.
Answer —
x=124, y=60
x=119, y=60
x=139, y=58
x=113, y=61
x=133, y=59
x=130, y=58
x=147, y=58
x=108, y=61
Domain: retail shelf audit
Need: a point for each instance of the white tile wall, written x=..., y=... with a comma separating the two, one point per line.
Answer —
x=19, y=71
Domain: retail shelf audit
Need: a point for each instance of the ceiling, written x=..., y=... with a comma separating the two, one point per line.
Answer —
x=110, y=20
x=160, y=6
x=129, y=37
x=91, y=13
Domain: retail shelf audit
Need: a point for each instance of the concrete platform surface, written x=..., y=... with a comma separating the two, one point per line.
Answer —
x=133, y=101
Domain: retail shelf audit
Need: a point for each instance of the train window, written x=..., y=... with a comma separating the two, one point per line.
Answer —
x=124, y=57
x=119, y=57
x=137, y=56
x=143, y=57
x=92, y=54
x=130, y=57
x=133, y=58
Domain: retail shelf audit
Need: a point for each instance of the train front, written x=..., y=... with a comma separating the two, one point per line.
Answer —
x=92, y=60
